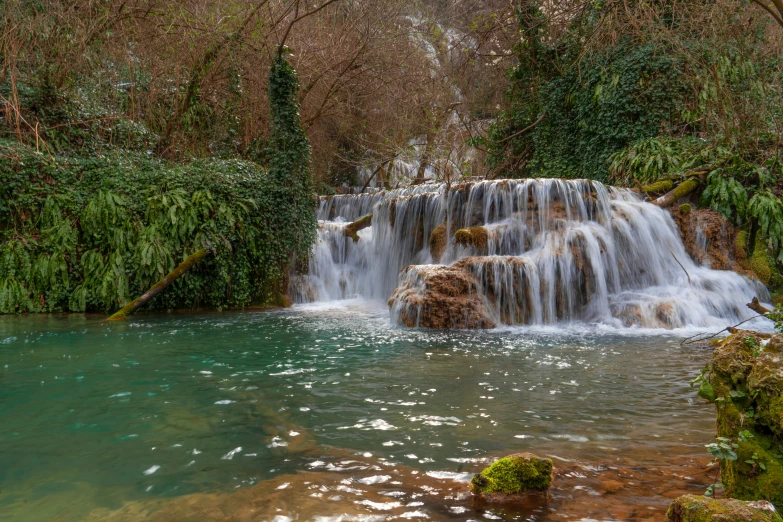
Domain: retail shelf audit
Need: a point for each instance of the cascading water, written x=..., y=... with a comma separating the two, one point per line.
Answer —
x=536, y=251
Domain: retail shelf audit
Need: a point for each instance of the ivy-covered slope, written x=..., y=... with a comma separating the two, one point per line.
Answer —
x=89, y=234
x=648, y=95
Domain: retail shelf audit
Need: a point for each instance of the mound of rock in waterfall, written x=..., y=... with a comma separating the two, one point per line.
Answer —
x=434, y=296
x=746, y=385
x=483, y=291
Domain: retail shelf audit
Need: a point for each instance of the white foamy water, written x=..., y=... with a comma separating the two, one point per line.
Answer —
x=557, y=251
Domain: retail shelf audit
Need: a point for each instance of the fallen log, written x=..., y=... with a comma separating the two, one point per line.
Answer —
x=352, y=229
x=158, y=287
x=657, y=187
x=759, y=308
x=682, y=190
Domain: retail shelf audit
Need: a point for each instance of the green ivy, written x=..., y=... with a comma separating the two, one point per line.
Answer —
x=568, y=113
x=88, y=234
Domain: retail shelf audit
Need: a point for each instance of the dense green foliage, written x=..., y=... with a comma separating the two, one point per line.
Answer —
x=745, y=190
x=652, y=94
x=590, y=107
x=89, y=234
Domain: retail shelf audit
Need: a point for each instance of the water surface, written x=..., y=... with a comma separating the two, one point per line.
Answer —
x=330, y=412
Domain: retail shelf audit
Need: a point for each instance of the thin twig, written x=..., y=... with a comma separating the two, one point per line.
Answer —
x=539, y=120
x=683, y=268
x=727, y=329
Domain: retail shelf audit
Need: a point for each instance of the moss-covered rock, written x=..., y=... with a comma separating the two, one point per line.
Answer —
x=692, y=508
x=475, y=237
x=508, y=478
x=685, y=208
x=438, y=241
x=747, y=382
x=761, y=263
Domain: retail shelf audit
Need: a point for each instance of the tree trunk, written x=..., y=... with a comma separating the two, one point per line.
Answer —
x=682, y=190
x=425, y=160
x=385, y=172
x=158, y=287
x=360, y=224
x=759, y=308
x=658, y=187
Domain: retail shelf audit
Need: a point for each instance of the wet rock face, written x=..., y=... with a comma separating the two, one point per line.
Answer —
x=512, y=478
x=692, y=508
x=479, y=291
x=435, y=296
x=709, y=238
x=747, y=388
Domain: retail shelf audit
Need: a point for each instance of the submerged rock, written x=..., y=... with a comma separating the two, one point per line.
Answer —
x=692, y=508
x=512, y=478
x=746, y=385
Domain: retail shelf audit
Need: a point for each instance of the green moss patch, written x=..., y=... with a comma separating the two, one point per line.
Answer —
x=659, y=187
x=438, y=242
x=476, y=237
x=741, y=249
x=760, y=262
x=514, y=475
x=692, y=508
x=747, y=379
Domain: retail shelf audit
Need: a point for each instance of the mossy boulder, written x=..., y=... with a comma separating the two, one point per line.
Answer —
x=692, y=508
x=747, y=386
x=513, y=477
x=685, y=208
x=476, y=237
x=438, y=241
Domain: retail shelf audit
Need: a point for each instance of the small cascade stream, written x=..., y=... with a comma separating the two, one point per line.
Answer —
x=535, y=251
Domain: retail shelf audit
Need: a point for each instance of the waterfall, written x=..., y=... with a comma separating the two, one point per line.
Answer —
x=534, y=251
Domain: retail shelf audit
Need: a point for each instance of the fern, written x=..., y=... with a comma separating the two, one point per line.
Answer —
x=646, y=161
x=726, y=195
x=767, y=209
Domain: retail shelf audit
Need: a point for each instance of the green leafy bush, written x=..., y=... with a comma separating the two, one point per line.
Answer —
x=88, y=234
